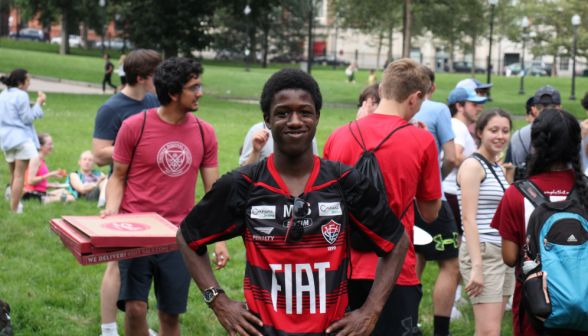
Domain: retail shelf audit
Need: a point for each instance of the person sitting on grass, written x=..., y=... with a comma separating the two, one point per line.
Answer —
x=37, y=173
x=86, y=182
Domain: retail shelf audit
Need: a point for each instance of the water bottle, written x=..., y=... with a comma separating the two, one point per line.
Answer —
x=63, y=197
x=528, y=265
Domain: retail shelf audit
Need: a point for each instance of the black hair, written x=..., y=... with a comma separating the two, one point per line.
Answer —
x=528, y=106
x=485, y=117
x=453, y=107
x=369, y=92
x=171, y=76
x=107, y=56
x=556, y=137
x=584, y=101
x=16, y=77
x=431, y=77
x=290, y=78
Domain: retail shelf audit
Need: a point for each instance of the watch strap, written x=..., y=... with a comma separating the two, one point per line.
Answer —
x=218, y=290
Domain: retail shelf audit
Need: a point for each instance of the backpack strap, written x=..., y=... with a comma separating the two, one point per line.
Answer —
x=361, y=144
x=389, y=135
x=137, y=143
x=532, y=192
x=489, y=165
x=201, y=134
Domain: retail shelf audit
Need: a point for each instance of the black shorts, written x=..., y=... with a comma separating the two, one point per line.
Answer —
x=400, y=313
x=172, y=281
x=123, y=80
x=33, y=195
x=454, y=204
x=444, y=233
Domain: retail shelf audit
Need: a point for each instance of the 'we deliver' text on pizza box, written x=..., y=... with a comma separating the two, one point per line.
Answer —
x=92, y=259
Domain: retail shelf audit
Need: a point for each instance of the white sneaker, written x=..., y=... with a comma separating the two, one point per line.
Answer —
x=455, y=314
x=7, y=193
x=19, y=210
x=460, y=302
x=152, y=333
x=508, y=307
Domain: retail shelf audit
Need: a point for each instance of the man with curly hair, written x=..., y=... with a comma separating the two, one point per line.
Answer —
x=157, y=156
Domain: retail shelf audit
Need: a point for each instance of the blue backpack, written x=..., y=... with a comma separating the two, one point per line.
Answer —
x=555, y=291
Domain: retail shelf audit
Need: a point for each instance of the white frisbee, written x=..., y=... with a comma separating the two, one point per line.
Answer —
x=421, y=237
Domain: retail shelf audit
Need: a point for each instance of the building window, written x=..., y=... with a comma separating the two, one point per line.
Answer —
x=320, y=8
x=564, y=63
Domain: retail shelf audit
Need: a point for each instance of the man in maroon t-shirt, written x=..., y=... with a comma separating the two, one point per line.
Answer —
x=409, y=164
x=157, y=156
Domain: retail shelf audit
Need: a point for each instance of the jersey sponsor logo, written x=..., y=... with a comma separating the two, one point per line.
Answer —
x=266, y=230
x=311, y=288
x=330, y=209
x=331, y=231
x=306, y=222
x=174, y=159
x=132, y=227
x=288, y=210
x=262, y=238
x=263, y=211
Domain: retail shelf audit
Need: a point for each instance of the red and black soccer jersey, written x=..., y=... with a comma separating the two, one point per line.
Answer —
x=295, y=288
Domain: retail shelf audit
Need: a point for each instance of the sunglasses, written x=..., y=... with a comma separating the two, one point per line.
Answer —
x=295, y=229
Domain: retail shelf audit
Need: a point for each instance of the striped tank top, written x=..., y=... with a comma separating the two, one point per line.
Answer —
x=490, y=195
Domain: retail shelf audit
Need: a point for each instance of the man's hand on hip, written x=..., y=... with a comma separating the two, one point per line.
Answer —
x=235, y=316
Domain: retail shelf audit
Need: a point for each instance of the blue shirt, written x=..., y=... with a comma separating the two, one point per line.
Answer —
x=438, y=120
x=16, y=119
x=115, y=110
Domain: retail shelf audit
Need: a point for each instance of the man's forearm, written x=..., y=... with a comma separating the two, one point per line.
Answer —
x=447, y=168
x=103, y=156
x=254, y=157
x=387, y=273
x=114, y=193
x=198, y=266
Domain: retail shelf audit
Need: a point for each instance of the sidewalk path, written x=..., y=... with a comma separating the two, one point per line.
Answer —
x=59, y=87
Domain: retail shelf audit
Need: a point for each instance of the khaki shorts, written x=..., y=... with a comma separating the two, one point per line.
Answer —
x=24, y=151
x=499, y=279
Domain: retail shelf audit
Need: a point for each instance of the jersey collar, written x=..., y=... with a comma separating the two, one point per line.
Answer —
x=313, y=175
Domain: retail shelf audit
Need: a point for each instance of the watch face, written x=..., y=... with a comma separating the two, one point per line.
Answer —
x=208, y=295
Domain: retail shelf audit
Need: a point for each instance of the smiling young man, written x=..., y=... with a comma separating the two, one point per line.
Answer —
x=157, y=156
x=294, y=212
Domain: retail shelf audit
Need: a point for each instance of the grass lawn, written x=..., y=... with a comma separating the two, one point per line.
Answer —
x=230, y=79
x=50, y=294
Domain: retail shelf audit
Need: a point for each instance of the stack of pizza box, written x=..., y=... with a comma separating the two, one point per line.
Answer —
x=95, y=240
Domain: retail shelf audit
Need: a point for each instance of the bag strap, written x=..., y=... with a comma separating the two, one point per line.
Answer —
x=201, y=134
x=389, y=135
x=406, y=210
x=532, y=192
x=360, y=144
x=137, y=143
x=489, y=165
x=523, y=144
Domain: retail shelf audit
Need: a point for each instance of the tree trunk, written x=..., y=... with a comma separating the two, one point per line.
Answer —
x=252, y=44
x=407, y=28
x=85, y=34
x=451, y=56
x=265, y=45
x=553, y=66
x=380, y=39
x=390, y=43
x=170, y=52
x=474, y=54
x=64, y=48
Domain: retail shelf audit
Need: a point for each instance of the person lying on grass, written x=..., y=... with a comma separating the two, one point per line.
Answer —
x=294, y=212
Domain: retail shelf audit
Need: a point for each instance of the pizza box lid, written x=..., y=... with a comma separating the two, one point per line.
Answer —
x=75, y=239
x=92, y=259
x=125, y=230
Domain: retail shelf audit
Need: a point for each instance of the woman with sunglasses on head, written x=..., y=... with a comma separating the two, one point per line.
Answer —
x=555, y=168
x=481, y=184
x=294, y=212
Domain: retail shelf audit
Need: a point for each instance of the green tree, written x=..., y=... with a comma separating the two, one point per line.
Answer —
x=170, y=25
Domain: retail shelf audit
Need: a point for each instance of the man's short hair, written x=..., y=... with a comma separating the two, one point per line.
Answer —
x=431, y=74
x=369, y=92
x=584, y=102
x=403, y=78
x=289, y=79
x=140, y=63
x=541, y=107
x=171, y=76
x=528, y=106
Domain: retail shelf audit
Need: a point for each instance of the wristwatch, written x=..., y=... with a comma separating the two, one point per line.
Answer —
x=210, y=294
